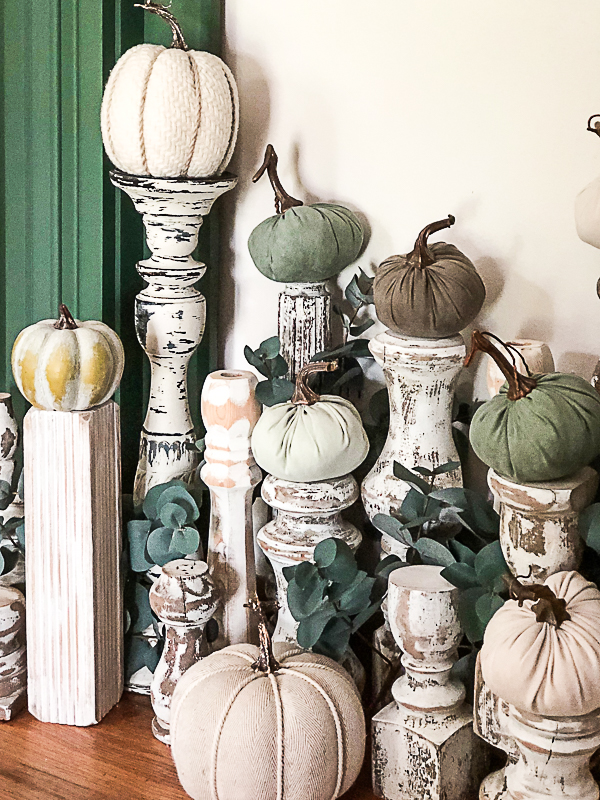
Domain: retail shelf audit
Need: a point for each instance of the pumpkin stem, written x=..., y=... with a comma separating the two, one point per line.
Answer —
x=548, y=608
x=65, y=321
x=304, y=395
x=421, y=255
x=164, y=13
x=266, y=661
x=283, y=200
x=519, y=386
x=596, y=127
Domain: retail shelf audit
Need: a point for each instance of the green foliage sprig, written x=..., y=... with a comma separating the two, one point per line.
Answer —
x=139, y=650
x=268, y=360
x=12, y=530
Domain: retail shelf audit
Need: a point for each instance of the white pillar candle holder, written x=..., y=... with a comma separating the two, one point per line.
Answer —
x=537, y=355
x=13, y=656
x=229, y=412
x=184, y=598
x=423, y=742
x=170, y=315
x=304, y=323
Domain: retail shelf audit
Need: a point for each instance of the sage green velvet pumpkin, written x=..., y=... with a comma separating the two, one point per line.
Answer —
x=548, y=433
x=310, y=440
x=432, y=293
x=303, y=244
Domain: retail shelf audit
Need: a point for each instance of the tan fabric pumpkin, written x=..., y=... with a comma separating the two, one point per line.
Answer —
x=543, y=669
x=237, y=733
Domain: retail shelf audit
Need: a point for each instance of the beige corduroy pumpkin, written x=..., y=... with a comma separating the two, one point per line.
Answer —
x=67, y=365
x=245, y=726
x=170, y=112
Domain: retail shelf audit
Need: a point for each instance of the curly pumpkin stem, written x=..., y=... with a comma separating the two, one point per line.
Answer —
x=519, y=386
x=283, y=200
x=266, y=661
x=65, y=322
x=596, y=127
x=421, y=255
x=304, y=395
x=548, y=608
x=164, y=13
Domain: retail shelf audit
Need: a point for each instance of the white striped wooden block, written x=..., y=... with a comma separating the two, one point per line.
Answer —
x=73, y=546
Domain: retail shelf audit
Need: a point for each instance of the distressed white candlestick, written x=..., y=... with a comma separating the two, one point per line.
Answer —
x=170, y=315
x=183, y=598
x=420, y=375
x=423, y=743
x=73, y=545
x=229, y=412
x=13, y=657
x=9, y=439
x=304, y=323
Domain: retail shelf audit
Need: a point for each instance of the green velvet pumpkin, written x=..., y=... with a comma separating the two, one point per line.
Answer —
x=303, y=244
x=433, y=292
x=539, y=428
x=310, y=438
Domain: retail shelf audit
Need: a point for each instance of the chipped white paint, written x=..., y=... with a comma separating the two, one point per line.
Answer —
x=184, y=598
x=490, y=717
x=13, y=656
x=424, y=747
x=420, y=375
x=169, y=315
x=9, y=439
x=74, y=549
x=537, y=355
x=304, y=323
x=539, y=522
x=229, y=412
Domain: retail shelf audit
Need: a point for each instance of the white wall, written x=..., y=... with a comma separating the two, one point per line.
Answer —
x=407, y=110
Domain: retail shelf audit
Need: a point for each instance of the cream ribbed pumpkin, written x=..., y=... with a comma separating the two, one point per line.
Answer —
x=246, y=727
x=170, y=112
x=543, y=669
x=67, y=365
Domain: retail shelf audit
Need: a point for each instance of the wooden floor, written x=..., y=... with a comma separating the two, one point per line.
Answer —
x=118, y=759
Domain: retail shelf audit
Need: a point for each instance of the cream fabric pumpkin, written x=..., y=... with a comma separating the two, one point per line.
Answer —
x=543, y=669
x=170, y=112
x=238, y=733
x=67, y=365
x=587, y=213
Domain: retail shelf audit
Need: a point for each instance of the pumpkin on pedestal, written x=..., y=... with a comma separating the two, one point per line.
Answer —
x=310, y=438
x=170, y=112
x=540, y=427
x=250, y=723
x=431, y=293
x=67, y=365
x=302, y=244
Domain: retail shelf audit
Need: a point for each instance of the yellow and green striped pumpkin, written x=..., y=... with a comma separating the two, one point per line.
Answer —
x=67, y=365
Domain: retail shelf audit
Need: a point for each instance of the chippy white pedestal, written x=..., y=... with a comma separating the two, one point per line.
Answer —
x=183, y=598
x=13, y=655
x=229, y=412
x=423, y=743
x=74, y=549
x=304, y=323
x=170, y=315
x=9, y=439
x=421, y=375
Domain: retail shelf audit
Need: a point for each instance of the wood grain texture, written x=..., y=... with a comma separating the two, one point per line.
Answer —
x=118, y=759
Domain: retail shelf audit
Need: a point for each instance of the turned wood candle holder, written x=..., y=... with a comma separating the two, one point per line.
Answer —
x=13, y=656
x=170, y=315
x=304, y=323
x=184, y=598
x=423, y=742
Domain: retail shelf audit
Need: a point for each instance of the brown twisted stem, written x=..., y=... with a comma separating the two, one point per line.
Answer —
x=266, y=661
x=283, y=200
x=421, y=255
x=519, y=386
x=65, y=321
x=596, y=127
x=547, y=608
x=304, y=395
x=164, y=13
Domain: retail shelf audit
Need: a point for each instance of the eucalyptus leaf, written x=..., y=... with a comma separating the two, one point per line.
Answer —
x=272, y=392
x=140, y=653
x=342, y=567
x=159, y=546
x=433, y=552
x=359, y=348
x=449, y=466
x=490, y=565
x=6, y=495
x=353, y=294
x=365, y=282
x=185, y=540
x=461, y=575
x=414, y=505
x=404, y=474
x=8, y=559
x=302, y=573
x=20, y=534
x=358, y=330
x=394, y=528
x=486, y=606
x=462, y=553
x=365, y=615
x=137, y=535
x=172, y=515
x=255, y=361
x=467, y=613
x=180, y=496
x=357, y=596
x=589, y=526
x=140, y=612
x=152, y=496
x=306, y=599
x=270, y=347
x=426, y=473
x=387, y=565
x=311, y=628
x=335, y=639
x=463, y=670
x=21, y=484
x=277, y=366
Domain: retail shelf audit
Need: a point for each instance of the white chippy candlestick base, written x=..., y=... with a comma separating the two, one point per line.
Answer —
x=170, y=315
x=423, y=742
x=9, y=439
x=183, y=598
x=73, y=545
x=229, y=412
x=304, y=323
x=13, y=656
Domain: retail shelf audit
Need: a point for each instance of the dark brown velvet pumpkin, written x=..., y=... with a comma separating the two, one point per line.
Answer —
x=433, y=292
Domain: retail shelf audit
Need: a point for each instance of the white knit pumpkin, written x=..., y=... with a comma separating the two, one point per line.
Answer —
x=237, y=733
x=170, y=112
x=543, y=669
x=587, y=213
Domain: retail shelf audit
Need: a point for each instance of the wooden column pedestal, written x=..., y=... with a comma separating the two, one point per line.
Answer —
x=13, y=656
x=304, y=323
x=73, y=545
